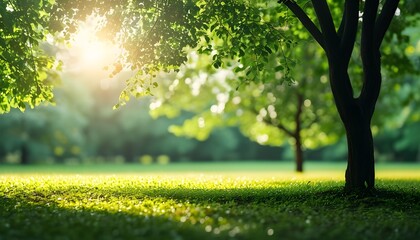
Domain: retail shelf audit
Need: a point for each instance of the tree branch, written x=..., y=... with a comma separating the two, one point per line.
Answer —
x=305, y=20
x=348, y=27
x=283, y=128
x=373, y=32
x=368, y=27
x=384, y=20
x=370, y=57
x=327, y=24
x=278, y=125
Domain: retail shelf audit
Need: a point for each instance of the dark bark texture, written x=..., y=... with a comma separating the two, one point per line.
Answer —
x=355, y=112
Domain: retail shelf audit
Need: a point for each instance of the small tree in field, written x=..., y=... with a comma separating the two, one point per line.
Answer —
x=270, y=113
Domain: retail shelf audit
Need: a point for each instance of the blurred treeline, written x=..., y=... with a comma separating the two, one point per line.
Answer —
x=83, y=128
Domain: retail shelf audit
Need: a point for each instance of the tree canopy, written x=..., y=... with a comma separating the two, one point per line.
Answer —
x=26, y=69
x=154, y=34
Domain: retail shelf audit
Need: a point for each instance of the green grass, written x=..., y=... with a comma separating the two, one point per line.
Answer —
x=274, y=167
x=245, y=202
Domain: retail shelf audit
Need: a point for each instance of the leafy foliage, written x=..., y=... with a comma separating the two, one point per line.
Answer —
x=27, y=71
x=155, y=34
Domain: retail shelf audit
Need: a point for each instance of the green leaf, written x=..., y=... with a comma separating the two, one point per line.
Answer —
x=279, y=68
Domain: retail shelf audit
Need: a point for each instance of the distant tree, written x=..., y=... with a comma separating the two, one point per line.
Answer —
x=269, y=113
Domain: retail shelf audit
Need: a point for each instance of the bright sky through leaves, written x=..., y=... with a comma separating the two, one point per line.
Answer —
x=88, y=55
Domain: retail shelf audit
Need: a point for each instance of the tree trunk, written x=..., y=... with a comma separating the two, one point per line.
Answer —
x=360, y=172
x=24, y=154
x=298, y=154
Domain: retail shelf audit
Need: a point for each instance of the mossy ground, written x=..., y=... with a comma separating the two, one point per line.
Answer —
x=208, y=205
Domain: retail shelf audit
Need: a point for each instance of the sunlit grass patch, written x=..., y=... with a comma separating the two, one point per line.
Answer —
x=217, y=205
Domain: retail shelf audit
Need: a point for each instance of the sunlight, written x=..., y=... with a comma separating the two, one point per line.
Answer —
x=93, y=53
x=88, y=55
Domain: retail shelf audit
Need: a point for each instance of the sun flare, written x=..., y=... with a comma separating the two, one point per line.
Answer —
x=90, y=55
x=93, y=53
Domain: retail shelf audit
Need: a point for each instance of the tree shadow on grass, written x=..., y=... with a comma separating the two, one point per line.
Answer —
x=193, y=213
x=23, y=220
x=394, y=199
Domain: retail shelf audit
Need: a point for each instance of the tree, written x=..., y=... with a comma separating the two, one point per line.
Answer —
x=355, y=111
x=269, y=113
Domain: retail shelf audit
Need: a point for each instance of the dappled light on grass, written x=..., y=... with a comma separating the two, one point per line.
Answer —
x=201, y=206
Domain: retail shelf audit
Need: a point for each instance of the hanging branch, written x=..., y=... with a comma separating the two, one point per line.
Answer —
x=327, y=25
x=305, y=20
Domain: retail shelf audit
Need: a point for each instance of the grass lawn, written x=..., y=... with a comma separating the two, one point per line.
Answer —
x=205, y=201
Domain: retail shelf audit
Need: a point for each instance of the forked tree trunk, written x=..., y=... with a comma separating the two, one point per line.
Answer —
x=356, y=117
